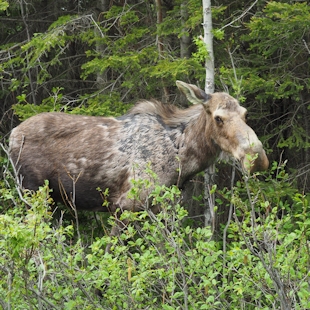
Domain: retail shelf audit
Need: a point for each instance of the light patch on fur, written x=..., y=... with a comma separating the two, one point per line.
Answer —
x=71, y=167
x=15, y=143
x=101, y=174
x=220, y=107
x=82, y=161
x=103, y=126
x=220, y=112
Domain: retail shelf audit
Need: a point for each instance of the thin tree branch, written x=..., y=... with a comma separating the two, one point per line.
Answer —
x=242, y=15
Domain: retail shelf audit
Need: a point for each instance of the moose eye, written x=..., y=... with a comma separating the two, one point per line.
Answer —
x=218, y=119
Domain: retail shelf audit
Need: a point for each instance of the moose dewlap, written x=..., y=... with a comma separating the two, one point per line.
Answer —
x=79, y=154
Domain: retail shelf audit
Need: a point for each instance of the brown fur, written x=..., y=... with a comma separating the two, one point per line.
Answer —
x=81, y=154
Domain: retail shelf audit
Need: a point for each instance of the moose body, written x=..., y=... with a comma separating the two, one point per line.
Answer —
x=82, y=156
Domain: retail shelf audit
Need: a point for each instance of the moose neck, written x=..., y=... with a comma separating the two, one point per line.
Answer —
x=198, y=151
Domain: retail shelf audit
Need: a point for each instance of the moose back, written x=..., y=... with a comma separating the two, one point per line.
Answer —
x=81, y=154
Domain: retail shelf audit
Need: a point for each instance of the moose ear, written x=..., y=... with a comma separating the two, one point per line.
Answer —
x=194, y=94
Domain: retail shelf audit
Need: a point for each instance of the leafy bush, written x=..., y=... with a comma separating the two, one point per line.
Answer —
x=159, y=261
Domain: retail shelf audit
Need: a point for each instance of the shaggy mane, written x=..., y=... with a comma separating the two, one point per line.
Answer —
x=170, y=114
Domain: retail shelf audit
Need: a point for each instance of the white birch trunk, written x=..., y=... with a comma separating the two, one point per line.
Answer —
x=209, y=89
x=208, y=40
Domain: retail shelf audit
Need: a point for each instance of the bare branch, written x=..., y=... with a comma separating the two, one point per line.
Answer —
x=306, y=45
x=242, y=15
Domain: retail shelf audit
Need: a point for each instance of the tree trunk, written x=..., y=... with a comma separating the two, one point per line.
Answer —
x=160, y=45
x=209, y=89
x=208, y=40
x=185, y=38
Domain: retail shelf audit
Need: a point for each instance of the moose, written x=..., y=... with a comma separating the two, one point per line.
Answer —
x=87, y=154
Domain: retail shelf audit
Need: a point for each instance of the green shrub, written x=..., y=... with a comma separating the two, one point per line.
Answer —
x=159, y=261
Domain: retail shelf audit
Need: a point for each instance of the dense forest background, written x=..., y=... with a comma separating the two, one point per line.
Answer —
x=99, y=58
